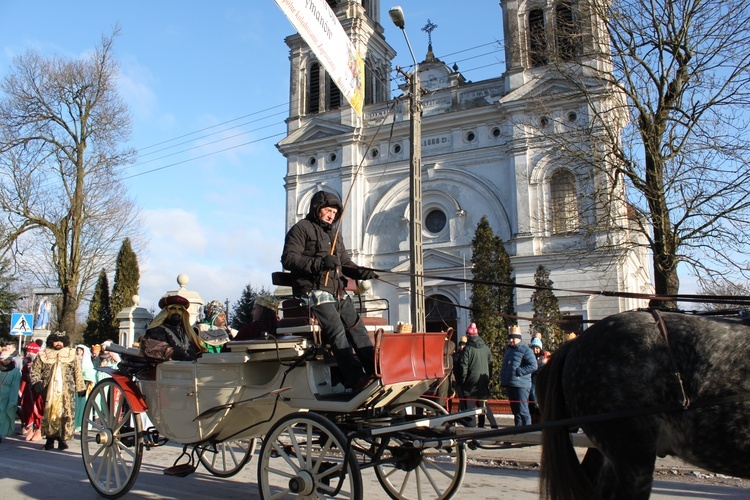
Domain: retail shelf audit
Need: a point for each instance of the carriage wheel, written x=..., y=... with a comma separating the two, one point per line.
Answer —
x=111, y=446
x=421, y=474
x=303, y=456
x=228, y=458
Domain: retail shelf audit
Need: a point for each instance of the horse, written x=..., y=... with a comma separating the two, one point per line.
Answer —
x=641, y=384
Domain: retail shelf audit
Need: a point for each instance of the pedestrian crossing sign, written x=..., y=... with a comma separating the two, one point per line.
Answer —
x=20, y=324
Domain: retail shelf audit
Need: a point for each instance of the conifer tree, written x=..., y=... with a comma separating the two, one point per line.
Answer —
x=99, y=325
x=127, y=278
x=242, y=310
x=489, y=303
x=546, y=310
x=8, y=299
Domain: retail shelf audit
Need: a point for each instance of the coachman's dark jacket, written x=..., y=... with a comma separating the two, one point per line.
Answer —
x=308, y=242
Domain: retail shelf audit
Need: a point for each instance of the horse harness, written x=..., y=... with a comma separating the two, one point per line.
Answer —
x=685, y=401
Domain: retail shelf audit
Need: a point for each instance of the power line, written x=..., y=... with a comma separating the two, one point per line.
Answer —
x=285, y=105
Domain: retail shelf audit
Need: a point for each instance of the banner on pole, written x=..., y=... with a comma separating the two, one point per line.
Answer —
x=317, y=24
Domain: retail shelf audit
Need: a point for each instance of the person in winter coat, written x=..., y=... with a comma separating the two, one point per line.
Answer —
x=314, y=253
x=170, y=336
x=56, y=373
x=10, y=382
x=541, y=359
x=519, y=363
x=475, y=372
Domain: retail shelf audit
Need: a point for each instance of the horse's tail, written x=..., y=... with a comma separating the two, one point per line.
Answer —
x=561, y=474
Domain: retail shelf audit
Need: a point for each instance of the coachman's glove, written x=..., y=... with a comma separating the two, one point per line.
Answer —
x=367, y=274
x=329, y=262
x=81, y=394
x=38, y=388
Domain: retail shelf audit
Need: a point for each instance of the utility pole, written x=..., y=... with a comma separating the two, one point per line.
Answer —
x=416, y=267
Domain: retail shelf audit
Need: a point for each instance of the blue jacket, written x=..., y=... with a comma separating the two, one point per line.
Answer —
x=518, y=364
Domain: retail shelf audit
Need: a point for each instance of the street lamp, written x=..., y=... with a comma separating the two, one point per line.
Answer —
x=415, y=184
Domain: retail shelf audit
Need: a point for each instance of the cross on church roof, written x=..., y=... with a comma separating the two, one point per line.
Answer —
x=429, y=28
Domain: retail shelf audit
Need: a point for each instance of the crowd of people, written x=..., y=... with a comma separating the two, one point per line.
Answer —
x=473, y=371
x=46, y=388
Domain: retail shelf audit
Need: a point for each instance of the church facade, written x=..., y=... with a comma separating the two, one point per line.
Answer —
x=485, y=153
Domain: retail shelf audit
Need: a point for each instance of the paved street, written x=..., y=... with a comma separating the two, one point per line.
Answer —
x=28, y=472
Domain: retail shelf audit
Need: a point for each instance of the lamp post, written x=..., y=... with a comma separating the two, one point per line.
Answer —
x=415, y=185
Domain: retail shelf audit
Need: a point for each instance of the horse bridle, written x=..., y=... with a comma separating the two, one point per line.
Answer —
x=675, y=369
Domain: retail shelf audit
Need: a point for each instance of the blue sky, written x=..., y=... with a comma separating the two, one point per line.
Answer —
x=207, y=84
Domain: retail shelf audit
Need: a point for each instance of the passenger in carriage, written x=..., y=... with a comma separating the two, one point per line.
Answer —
x=318, y=269
x=265, y=318
x=213, y=330
x=170, y=335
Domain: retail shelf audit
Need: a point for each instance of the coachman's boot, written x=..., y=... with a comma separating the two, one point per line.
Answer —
x=62, y=445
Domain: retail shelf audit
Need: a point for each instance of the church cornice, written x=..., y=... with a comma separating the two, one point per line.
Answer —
x=314, y=132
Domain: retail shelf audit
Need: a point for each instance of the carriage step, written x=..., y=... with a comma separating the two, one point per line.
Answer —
x=182, y=470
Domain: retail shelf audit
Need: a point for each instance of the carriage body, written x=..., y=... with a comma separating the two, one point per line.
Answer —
x=180, y=391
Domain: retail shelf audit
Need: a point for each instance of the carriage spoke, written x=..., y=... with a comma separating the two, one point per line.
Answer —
x=110, y=440
x=303, y=456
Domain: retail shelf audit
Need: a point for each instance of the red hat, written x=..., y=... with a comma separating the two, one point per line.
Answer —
x=32, y=348
x=174, y=300
x=472, y=330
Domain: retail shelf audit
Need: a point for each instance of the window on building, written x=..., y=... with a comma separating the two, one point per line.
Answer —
x=370, y=84
x=564, y=202
x=333, y=94
x=440, y=313
x=537, y=38
x=567, y=32
x=313, y=90
x=367, y=4
x=435, y=221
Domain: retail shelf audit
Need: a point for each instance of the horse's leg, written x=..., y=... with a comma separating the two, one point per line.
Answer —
x=625, y=464
x=592, y=463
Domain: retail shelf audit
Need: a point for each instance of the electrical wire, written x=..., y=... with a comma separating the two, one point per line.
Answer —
x=144, y=151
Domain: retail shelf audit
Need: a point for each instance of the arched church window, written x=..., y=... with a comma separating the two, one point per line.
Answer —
x=564, y=204
x=313, y=89
x=537, y=38
x=567, y=31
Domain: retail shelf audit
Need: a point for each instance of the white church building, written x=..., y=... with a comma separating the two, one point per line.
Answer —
x=482, y=155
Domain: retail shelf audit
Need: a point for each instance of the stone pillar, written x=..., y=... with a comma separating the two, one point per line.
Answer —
x=133, y=323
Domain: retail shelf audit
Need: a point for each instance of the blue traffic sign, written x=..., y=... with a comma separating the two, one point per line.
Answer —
x=21, y=324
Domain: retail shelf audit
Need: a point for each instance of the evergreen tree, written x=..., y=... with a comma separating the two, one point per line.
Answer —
x=99, y=326
x=8, y=299
x=546, y=311
x=242, y=310
x=127, y=278
x=491, y=303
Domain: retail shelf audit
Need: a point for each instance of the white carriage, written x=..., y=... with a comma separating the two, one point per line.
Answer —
x=282, y=392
